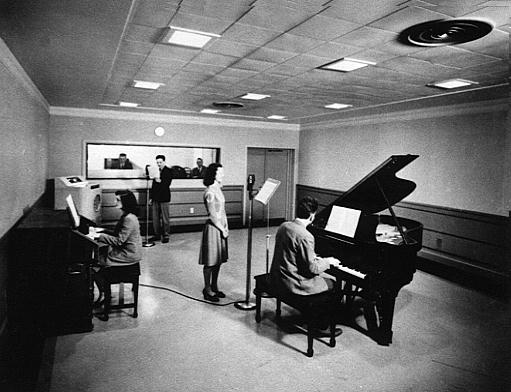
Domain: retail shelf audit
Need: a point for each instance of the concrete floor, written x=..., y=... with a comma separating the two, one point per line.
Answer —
x=446, y=338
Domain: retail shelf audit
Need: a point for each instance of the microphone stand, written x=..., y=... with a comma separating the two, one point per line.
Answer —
x=247, y=305
x=147, y=243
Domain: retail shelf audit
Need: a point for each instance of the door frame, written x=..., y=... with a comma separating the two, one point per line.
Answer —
x=290, y=186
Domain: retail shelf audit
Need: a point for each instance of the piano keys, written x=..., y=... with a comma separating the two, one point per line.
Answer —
x=380, y=257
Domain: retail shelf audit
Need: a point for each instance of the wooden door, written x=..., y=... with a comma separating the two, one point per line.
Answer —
x=267, y=163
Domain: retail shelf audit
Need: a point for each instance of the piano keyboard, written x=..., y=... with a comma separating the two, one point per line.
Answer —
x=350, y=271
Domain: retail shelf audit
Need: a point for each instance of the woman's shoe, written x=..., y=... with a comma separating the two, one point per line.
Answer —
x=208, y=297
x=219, y=294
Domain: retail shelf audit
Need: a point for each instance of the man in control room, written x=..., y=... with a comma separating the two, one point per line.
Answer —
x=200, y=170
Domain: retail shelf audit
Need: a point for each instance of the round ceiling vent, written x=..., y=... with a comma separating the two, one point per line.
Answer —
x=228, y=105
x=445, y=32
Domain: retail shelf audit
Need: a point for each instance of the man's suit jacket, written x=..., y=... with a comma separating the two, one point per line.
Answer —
x=196, y=173
x=295, y=264
x=160, y=191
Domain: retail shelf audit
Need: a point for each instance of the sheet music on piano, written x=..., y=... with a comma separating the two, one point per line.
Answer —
x=343, y=220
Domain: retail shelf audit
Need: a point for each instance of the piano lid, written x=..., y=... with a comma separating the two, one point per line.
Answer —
x=380, y=189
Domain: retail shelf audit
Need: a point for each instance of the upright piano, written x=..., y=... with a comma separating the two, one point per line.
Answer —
x=378, y=253
x=50, y=286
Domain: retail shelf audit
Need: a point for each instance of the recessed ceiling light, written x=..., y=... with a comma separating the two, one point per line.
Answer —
x=452, y=83
x=128, y=104
x=210, y=111
x=276, y=117
x=187, y=37
x=338, y=106
x=254, y=97
x=147, y=85
x=346, y=64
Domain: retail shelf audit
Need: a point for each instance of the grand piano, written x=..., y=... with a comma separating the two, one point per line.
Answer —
x=378, y=252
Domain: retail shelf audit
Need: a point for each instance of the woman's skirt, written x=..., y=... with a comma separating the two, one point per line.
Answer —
x=214, y=247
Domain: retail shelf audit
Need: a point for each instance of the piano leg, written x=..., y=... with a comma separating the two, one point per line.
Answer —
x=349, y=295
x=385, y=308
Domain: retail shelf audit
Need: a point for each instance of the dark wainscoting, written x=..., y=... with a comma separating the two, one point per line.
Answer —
x=466, y=246
x=187, y=210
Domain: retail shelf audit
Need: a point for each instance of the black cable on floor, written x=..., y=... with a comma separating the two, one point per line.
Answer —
x=188, y=296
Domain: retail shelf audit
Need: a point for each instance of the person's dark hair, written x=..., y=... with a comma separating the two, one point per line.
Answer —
x=160, y=157
x=129, y=202
x=122, y=154
x=209, y=177
x=306, y=207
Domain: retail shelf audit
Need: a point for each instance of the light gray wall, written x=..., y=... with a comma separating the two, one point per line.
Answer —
x=462, y=152
x=24, y=121
x=70, y=129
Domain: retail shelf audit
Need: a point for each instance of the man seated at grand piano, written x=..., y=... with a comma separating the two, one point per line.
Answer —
x=125, y=241
x=295, y=266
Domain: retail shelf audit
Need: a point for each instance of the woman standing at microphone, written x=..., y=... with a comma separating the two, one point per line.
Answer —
x=214, y=235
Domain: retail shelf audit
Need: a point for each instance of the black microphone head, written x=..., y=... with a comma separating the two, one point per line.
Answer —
x=147, y=170
x=250, y=181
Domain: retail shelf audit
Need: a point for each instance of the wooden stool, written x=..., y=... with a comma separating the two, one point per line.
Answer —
x=121, y=274
x=312, y=307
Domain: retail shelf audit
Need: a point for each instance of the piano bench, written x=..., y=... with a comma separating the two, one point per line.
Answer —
x=116, y=275
x=312, y=307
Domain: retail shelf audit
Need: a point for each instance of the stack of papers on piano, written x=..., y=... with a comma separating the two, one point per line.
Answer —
x=388, y=233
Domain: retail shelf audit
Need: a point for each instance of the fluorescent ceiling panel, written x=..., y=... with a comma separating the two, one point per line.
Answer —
x=187, y=37
x=128, y=104
x=254, y=97
x=146, y=85
x=210, y=111
x=452, y=83
x=276, y=117
x=346, y=65
x=338, y=106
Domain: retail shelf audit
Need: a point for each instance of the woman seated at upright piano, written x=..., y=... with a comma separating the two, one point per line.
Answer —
x=125, y=241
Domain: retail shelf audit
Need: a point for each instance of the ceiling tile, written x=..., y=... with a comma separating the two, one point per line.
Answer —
x=367, y=37
x=361, y=11
x=155, y=13
x=294, y=43
x=373, y=55
x=271, y=55
x=253, y=65
x=495, y=44
x=273, y=17
x=406, y=17
x=141, y=33
x=237, y=73
x=286, y=70
x=230, y=48
x=251, y=35
x=214, y=59
x=454, y=57
x=334, y=50
x=500, y=16
x=200, y=23
x=173, y=52
x=324, y=28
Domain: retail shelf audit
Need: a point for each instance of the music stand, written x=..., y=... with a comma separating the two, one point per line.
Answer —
x=147, y=243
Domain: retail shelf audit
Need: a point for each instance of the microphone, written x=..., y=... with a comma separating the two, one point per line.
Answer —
x=250, y=185
x=147, y=170
x=250, y=182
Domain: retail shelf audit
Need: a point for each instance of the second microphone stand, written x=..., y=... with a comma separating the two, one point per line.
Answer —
x=147, y=243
